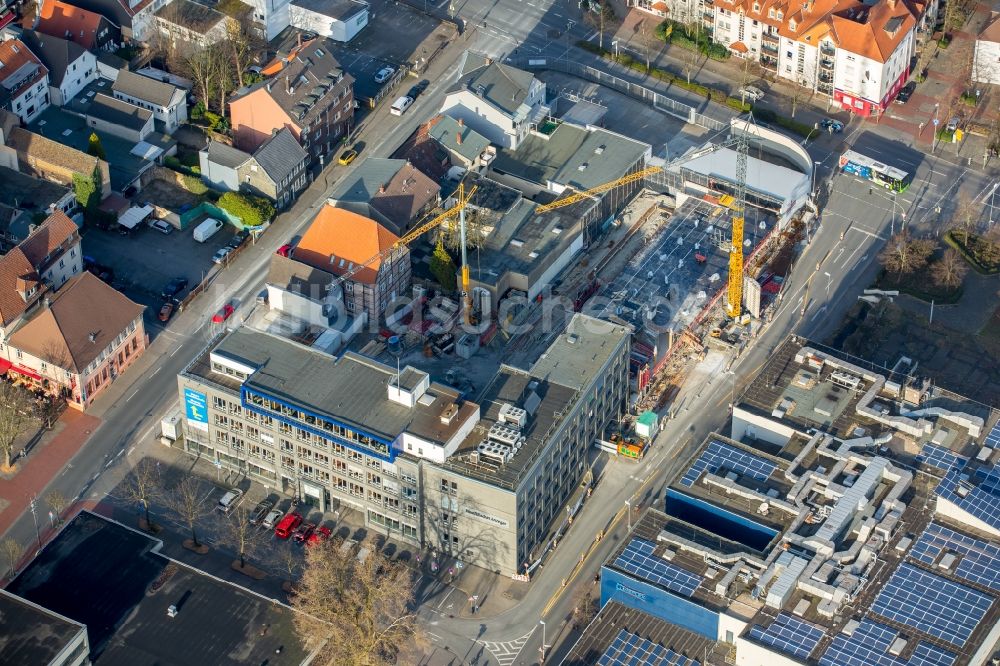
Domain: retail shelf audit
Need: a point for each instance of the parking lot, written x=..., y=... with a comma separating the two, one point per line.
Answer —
x=146, y=259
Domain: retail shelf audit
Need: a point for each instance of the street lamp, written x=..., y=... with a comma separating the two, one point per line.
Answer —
x=628, y=510
x=542, y=649
x=614, y=45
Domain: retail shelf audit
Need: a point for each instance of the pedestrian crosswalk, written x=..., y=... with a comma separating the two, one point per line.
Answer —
x=507, y=652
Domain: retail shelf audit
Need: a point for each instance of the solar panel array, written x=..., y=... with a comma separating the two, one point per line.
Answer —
x=982, y=501
x=869, y=645
x=629, y=649
x=940, y=457
x=993, y=439
x=718, y=455
x=638, y=560
x=980, y=560
x=789, y=635
x=932, y=604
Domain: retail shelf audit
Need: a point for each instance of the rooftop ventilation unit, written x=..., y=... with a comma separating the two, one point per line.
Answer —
x=846, y=380
x=494, y=451
x=505, y=433
x=513, y=415
x=449, y=413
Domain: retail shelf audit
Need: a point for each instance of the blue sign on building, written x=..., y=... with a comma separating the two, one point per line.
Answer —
x=195, y=406
x=658, y=602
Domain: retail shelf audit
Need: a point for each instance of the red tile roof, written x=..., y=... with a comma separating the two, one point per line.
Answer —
x=61, y=19
x=337, y=240
x=13, y=56
x=48, y=237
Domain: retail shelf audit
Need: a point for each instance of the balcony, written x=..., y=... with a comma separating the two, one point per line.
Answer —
x=828, y=50
x=826, y=78
x=767, y=47
x=769, y=37
x=769, y=63
x=826, y=63
x=825, y=88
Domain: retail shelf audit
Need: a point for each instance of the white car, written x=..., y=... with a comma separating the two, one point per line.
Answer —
x=272, y=518
x=230, y=500
x=162, y=226
x=751, y=93
x=382, y=75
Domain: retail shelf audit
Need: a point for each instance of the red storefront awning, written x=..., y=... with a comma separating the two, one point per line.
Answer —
x=27, y=373
x=4, y=365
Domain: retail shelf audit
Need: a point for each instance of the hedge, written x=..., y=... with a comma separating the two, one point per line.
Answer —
x=254, y=211
x=802, y=129
x=972, y=260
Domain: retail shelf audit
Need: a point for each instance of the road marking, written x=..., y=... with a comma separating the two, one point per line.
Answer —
x=94, y=478
x=155, y=371
x=119, y=454
x=131, y=395
x=131, y=450
x=175, y=351
x=818, y=313
x=507, y=652
x=108, y=464
x=433, y=636
x=450, y=590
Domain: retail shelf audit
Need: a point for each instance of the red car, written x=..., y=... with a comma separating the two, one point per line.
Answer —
x=304, y=532
x=285, y=250
x=223, y=314
x=284, y=529
x=321, y=535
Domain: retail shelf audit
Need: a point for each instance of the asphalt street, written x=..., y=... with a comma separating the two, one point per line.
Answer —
x=829, y=276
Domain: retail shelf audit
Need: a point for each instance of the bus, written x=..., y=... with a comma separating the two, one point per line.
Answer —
x=872, y=170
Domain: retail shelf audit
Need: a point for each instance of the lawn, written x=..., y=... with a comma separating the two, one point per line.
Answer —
x=919, y=285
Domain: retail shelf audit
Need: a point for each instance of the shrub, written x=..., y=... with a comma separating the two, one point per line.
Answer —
x=198, y=111
x=193, y=184
x=254, y=211
x=716, y=51
x=944, y=42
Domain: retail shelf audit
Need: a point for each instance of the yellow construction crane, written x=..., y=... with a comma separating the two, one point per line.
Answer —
x=735, y=203
x=459, y=208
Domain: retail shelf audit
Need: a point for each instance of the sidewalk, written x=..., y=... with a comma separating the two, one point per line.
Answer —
x=56, y=448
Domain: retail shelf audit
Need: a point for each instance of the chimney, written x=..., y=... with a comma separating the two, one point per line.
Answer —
x=892, y=4
x=458, y=138
x=92, y=337
x=381, y=189
x=298, y=40
x=461, y=123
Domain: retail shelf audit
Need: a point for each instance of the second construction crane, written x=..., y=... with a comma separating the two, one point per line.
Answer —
x=735, y=202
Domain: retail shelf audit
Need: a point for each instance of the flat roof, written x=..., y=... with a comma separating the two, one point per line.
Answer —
x=108, y=577
x=30, y=634
x=351, y=389
x=762, y=176
x=340, y=10
x=614, y=618
x=580, y=351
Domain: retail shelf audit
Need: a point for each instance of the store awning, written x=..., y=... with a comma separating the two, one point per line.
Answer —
x=4, y=365
x=134, y=215
x=27, y=373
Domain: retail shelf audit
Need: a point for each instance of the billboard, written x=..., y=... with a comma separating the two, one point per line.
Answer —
x=196, y=409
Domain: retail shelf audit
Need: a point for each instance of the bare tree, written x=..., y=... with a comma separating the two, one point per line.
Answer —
x=187, y=499
x=989, y=246
x=57, y=503
x=203, y=67
x=16, y=416
x=965, y=216
x=241, y=534
x=361, y=611
x=244, y=43
x=141, y=486
x=904, y=254
x=12, y=551
x=799, y=92
x=950, y=269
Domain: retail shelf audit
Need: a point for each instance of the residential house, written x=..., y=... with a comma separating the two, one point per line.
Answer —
x=393, y=192
x=312, y=96
x=340, y=20
x=685, y=12
x=14, y=226
x=24, y=81
x=34, y=195
x=498, y=101
x=167, y=101
x=187, y=24
x=277, y=170
x=465, y=147
x=135, y=17
x=114, y=116
x=42, y=157
x=79, y=340
x=345, y=243
x=986, y=61
x=108, y=65
x=90, y=29
x=71, y=66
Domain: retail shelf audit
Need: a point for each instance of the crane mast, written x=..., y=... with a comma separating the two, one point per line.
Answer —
x=738, y=207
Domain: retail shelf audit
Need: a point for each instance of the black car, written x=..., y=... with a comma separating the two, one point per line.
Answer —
x=904, y=93
x=418, y=88
x=260, y=511
x=174, y=287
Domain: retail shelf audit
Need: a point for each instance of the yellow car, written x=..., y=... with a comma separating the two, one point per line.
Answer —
x=347, y=157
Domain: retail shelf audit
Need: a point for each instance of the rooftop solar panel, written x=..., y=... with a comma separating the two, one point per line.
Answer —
x=979, y=562
x=993, y=439
x=789, y=635
x=628, y=649
x=638, y=560
x=721, y=456
x=982, y=501
x=940, y=457
x=932, y=604
x=869, y=644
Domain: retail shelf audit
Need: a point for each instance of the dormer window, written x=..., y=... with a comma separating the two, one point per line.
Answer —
x=791, y=25
x=781, y=14
x=770, y=12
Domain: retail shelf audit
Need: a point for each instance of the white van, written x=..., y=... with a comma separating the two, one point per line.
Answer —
x=400, y=106
x=207, y=229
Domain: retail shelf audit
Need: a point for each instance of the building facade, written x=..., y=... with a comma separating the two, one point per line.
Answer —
x=24, y=81
x=412, y=456
x=44, y=158
x=167, y=101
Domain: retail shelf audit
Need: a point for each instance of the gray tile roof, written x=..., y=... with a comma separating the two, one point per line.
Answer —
x=117, y=112
x=195, y=17
x=145, y=88
x=364, y=183
x=446, y=132
x=287, y=273
x=55, y=53
x=280, y=155
x=227, y=156
x=503, y=86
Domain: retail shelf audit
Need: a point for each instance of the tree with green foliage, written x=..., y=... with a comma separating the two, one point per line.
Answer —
x=95, y=148
x=443, y=267
x=88, y=189
x=254, y=211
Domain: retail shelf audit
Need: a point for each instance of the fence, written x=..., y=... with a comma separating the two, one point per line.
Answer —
x=672, y=107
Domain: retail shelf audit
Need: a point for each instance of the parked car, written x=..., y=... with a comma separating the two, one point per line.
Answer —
x=224, y=313
x=284, y=529
x=904, y=93
x=208, y=228
x=382, y=75
x=321, y=535
x=174, y=287
x=272, y=518
x=303, y=533
x=162, y=226
x=220, y=256
x=166, y=310
x=419, y=88
x=347, y=157
x=832, y=126
x=953, y=123
x=230, y=500
x=285, y=250
x=239, y=238
x=400, y=106
x=751, y=93
x=262, y=509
